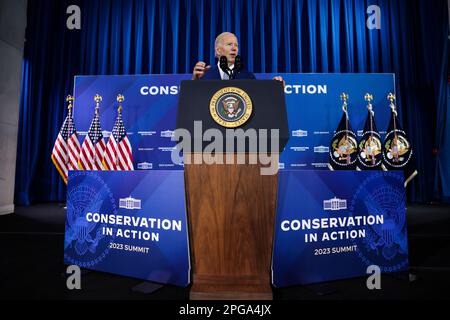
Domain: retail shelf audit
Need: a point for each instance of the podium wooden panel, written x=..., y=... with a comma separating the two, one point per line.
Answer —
x=231, y=212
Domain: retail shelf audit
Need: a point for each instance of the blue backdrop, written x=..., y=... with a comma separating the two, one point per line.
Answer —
x=351, y=242
x=133, y=224
x=141, y=37
x=312, y=103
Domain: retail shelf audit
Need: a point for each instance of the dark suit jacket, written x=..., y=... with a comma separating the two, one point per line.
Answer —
x=214, y=74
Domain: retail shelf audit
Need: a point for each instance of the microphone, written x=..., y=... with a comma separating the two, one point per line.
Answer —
x=223, y=64
x=237, y=66
x=238, y=63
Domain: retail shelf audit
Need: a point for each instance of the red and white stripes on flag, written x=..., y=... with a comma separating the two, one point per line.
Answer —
x=67, y=148
x=118, y=154
x=93, y=147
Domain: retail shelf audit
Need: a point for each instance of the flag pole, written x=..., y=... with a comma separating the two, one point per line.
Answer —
x=368, y=97
x=69, y=99
x=120, y=98
x=344, y=97
x=391, y=98
x=97, y=99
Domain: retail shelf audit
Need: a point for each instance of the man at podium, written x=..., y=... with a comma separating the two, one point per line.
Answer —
x=225, y=47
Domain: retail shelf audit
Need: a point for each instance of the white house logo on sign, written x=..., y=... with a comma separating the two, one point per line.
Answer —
x=335, y=204
x=299, y=133
x=129, y=203
x=145, y=165
x=321, y=149
x=167, y=134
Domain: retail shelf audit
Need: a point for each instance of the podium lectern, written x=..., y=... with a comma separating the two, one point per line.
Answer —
x=231, y=206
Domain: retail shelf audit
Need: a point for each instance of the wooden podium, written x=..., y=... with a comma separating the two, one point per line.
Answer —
x=231, y=210
x=231, y=207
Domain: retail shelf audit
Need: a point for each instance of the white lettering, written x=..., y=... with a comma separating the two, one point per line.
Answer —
x=305, y=89
x=159, y=90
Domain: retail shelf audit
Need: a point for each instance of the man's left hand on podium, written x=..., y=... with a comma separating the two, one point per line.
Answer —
x=280, y=78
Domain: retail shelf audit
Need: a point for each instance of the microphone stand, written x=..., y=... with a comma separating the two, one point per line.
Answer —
x=237, y=66
x=223, y=63
x=230, y=74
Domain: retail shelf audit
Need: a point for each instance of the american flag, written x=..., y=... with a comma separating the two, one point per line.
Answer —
x=93, y=147
x=67, y=148
x=118, y=154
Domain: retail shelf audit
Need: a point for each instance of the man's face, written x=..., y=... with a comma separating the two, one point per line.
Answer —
x=228, y=47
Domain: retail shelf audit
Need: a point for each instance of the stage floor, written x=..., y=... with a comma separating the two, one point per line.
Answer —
x=31, y=264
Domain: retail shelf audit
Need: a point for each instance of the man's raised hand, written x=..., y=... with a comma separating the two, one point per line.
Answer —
x=199, y=70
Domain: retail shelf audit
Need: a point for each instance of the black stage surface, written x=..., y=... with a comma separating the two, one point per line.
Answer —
x=31, y=264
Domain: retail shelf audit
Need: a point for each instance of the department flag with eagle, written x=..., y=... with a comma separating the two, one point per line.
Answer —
x=344, y=146
x=369, y=148
x=397, y=150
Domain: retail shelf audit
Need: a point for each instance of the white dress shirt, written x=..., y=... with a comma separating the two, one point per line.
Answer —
x=223, y=75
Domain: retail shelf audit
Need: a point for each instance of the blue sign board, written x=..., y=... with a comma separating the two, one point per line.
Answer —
x=312, y=100
x=131, y=223
x=314, y=109
x=334, y=224
x=316, y=208
x=149, y=113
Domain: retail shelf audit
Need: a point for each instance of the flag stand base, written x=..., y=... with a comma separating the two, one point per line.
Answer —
x=321, y=289
x=147, y=287
x=403, y=276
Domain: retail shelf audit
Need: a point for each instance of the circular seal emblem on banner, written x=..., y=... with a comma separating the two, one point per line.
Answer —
x=230, y=107
x=343, y=151
x=397, y=149
x=370, y=154
x=386, y=244
x=85, y=244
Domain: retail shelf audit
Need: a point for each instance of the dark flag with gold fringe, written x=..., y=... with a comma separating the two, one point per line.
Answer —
x=343, y=146
x=369, y=148
x=397, y=150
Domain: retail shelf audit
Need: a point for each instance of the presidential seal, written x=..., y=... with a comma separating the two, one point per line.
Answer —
x=386, y=244
x=85, y=244
x=370, y=150
x=230, y=107
x=397, y=150
x=344, y=148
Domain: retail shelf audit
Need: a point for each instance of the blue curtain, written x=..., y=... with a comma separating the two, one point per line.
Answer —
x=169, y=36
x=442, y=182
